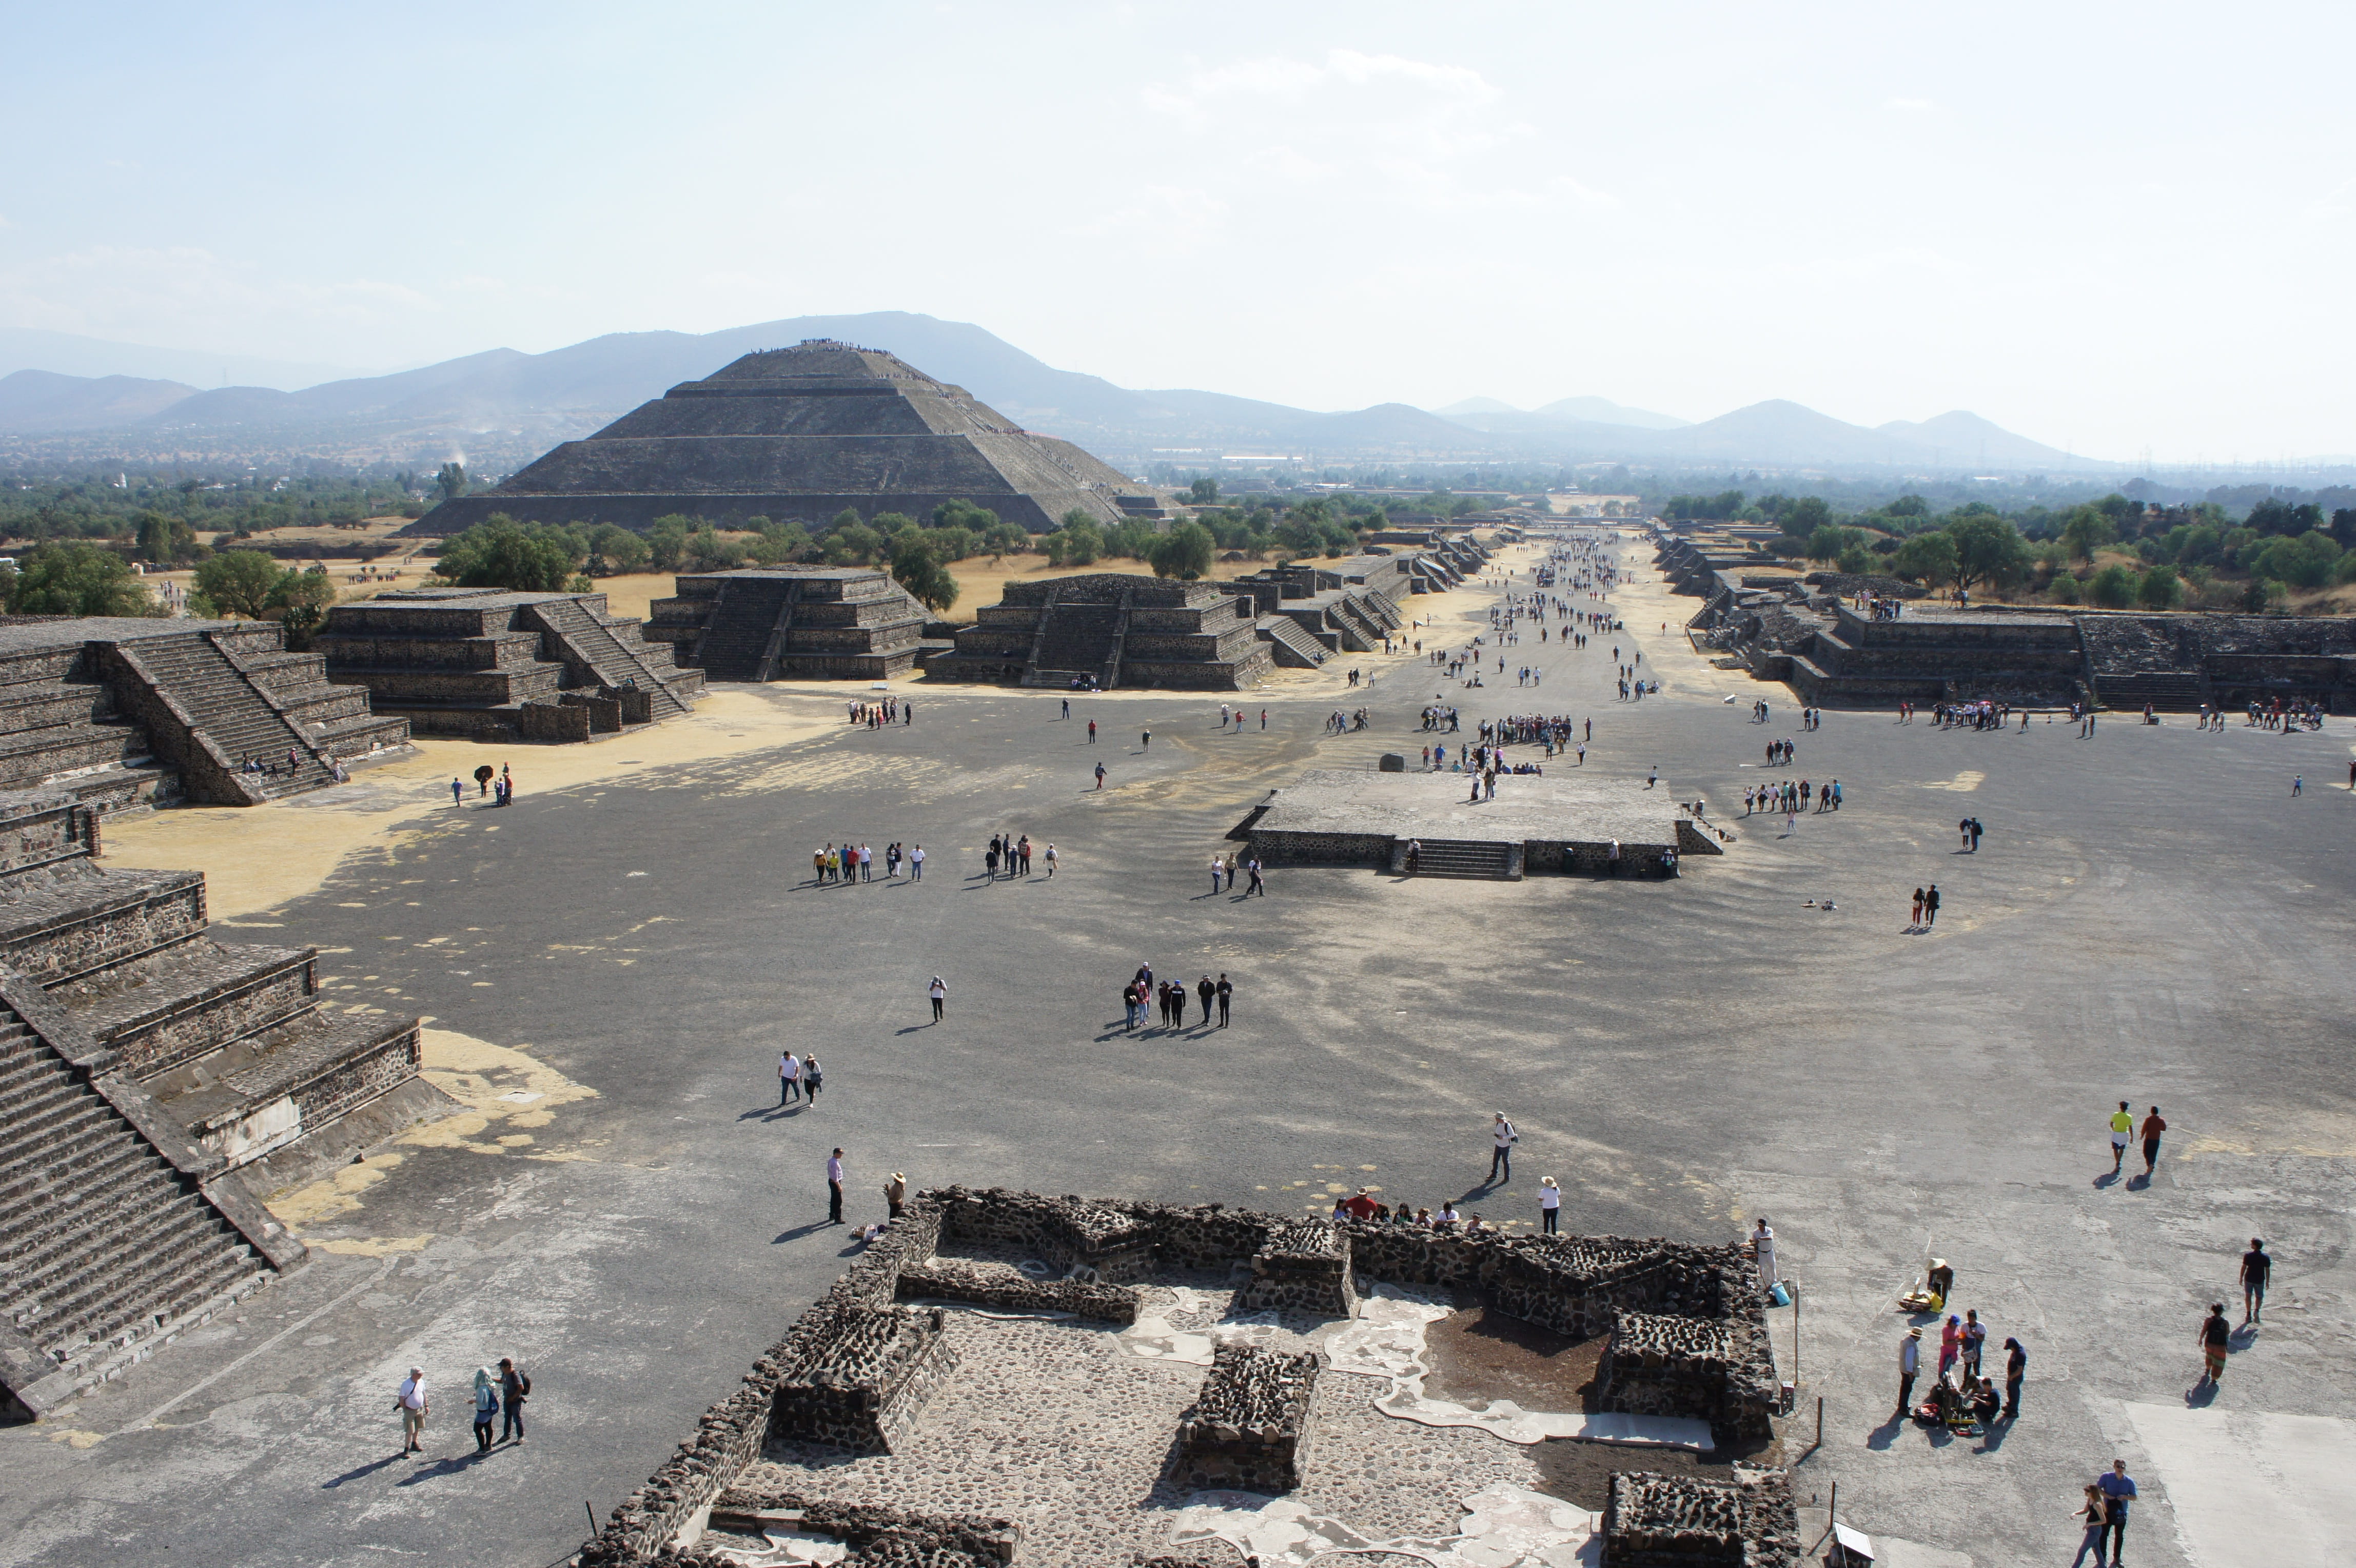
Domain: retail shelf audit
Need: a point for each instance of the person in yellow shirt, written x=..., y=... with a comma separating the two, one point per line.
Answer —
x=2121, y=1129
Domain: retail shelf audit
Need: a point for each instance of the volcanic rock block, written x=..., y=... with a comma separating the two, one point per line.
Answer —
x=1304, y=1266
x=1244, y=1430
x=1653, y=1521
x=862, y=1384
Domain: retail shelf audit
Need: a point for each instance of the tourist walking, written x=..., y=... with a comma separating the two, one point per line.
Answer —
x=834, y=1187
x=1145, y=740
x=2016, y=1366
x=789, y=1073
x=1916, y=922
x=487, y=1408
x=411, y=1401
x=457, y=798
x=1550, y=1205
x=916, y=864
x=1257, y=885
x=2152, y=1128
x=940, y=995
x=2216, y=1338
x=813, y=1079
x=515, y=1387
x=1051, y=860
x=1909, y=1363
x=2118, y=1491
x=1226, y=995
x=1207, y=992
x=1100, y=774
x=2122, y=1127
x=2255, y=1267
x=1092, y=732
x=1501, y=1157
x=1931, y=906
x=2096, y=1511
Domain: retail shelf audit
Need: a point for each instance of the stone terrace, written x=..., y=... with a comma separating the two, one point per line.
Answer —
x=1552, y=821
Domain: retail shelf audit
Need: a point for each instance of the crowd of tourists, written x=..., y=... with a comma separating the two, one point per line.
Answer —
x=890, y=711
x=846, y=862
x=1169, y=998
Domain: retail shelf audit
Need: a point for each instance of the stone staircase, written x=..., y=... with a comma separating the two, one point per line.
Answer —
x=103, y=1242
x=224, y=709
x=1478, y=859
x=1075, y=641
x=1289, y=643
x=592, y=643
x=742, y=629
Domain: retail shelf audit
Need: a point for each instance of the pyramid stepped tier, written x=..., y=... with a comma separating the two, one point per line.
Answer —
x=801, y=435
x=791, y=623
x=1112, y=629
x=144, y=1069
x=481, y=661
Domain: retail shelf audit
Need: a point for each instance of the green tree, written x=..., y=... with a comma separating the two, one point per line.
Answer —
x=2303, y=562
x=1930, y=557
x=236, y=583
x=302, y=601
x=1204, y=492
x=780, y=542
x=2085, y=530
x=1988, y=549
x=917, y=568
x=1802, y=518
x=1003, y=539
x=1184, y=552
x=166, y=541
x=963, y=514
x=854, y=544
x=501, y=553
x=2112, y=588
x=1077, y=543
x=614, y=551
x=2064, y=590
x=74, y=579
x=2161, y=588
x=450, y=481
x=667, y=540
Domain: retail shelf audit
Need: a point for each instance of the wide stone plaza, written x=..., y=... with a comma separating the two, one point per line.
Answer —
x=609, y=968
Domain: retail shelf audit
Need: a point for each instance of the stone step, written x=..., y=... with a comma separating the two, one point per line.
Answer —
x=1460, y=857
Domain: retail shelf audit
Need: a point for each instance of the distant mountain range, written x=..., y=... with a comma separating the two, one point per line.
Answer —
x=500, y=409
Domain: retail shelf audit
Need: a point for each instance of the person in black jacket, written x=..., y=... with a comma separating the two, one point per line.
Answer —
x=1206, y=991
x=515, y=1387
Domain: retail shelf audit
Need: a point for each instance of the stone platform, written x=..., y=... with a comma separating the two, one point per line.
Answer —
x=1556, y=821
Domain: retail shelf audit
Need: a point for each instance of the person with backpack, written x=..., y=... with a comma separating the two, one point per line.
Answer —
x=515, y=1387
x=487, y=1407
x=1501, y=1158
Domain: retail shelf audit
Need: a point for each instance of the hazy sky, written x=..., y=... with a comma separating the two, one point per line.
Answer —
x=2111, y=227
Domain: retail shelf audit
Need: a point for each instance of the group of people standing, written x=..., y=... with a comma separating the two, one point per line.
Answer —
x=1014, y=854
x=856, y=863
x=1170, y=997
x=493, y=1396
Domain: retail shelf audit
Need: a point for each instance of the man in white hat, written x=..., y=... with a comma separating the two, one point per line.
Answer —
x=414, y=1406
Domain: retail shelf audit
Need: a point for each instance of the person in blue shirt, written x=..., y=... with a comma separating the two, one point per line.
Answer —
x=2118, y=1491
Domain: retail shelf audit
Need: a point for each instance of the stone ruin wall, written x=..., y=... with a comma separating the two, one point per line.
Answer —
x=1654, y=1520
x=1246, y=1429
x=1576, y=1286
x=1711, y=1370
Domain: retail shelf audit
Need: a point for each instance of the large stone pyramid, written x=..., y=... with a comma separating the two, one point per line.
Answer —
x=800, y=434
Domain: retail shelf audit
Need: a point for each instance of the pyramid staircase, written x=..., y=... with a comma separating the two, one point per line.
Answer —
x=594, y=645
x=141, y=1066
x=1289, y=643
x=743, y=633
x=209, y=710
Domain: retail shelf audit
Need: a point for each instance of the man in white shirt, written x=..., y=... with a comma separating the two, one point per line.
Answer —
x=1909, y=1362
x=790, y=1078
x=1762, y=1244
x=834, y=1187
x=866, y=864
x=411, y=1397
x=916, y=859
x=1501, y=1159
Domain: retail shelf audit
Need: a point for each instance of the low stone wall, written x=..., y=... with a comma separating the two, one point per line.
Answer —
x=877, y=1533
x=854, y=1336
x=1653, y=1521
x=1244, y=1430
x=554, y=721
x=943, y=1280
x=1706, y=1368
x=1303, y=1266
